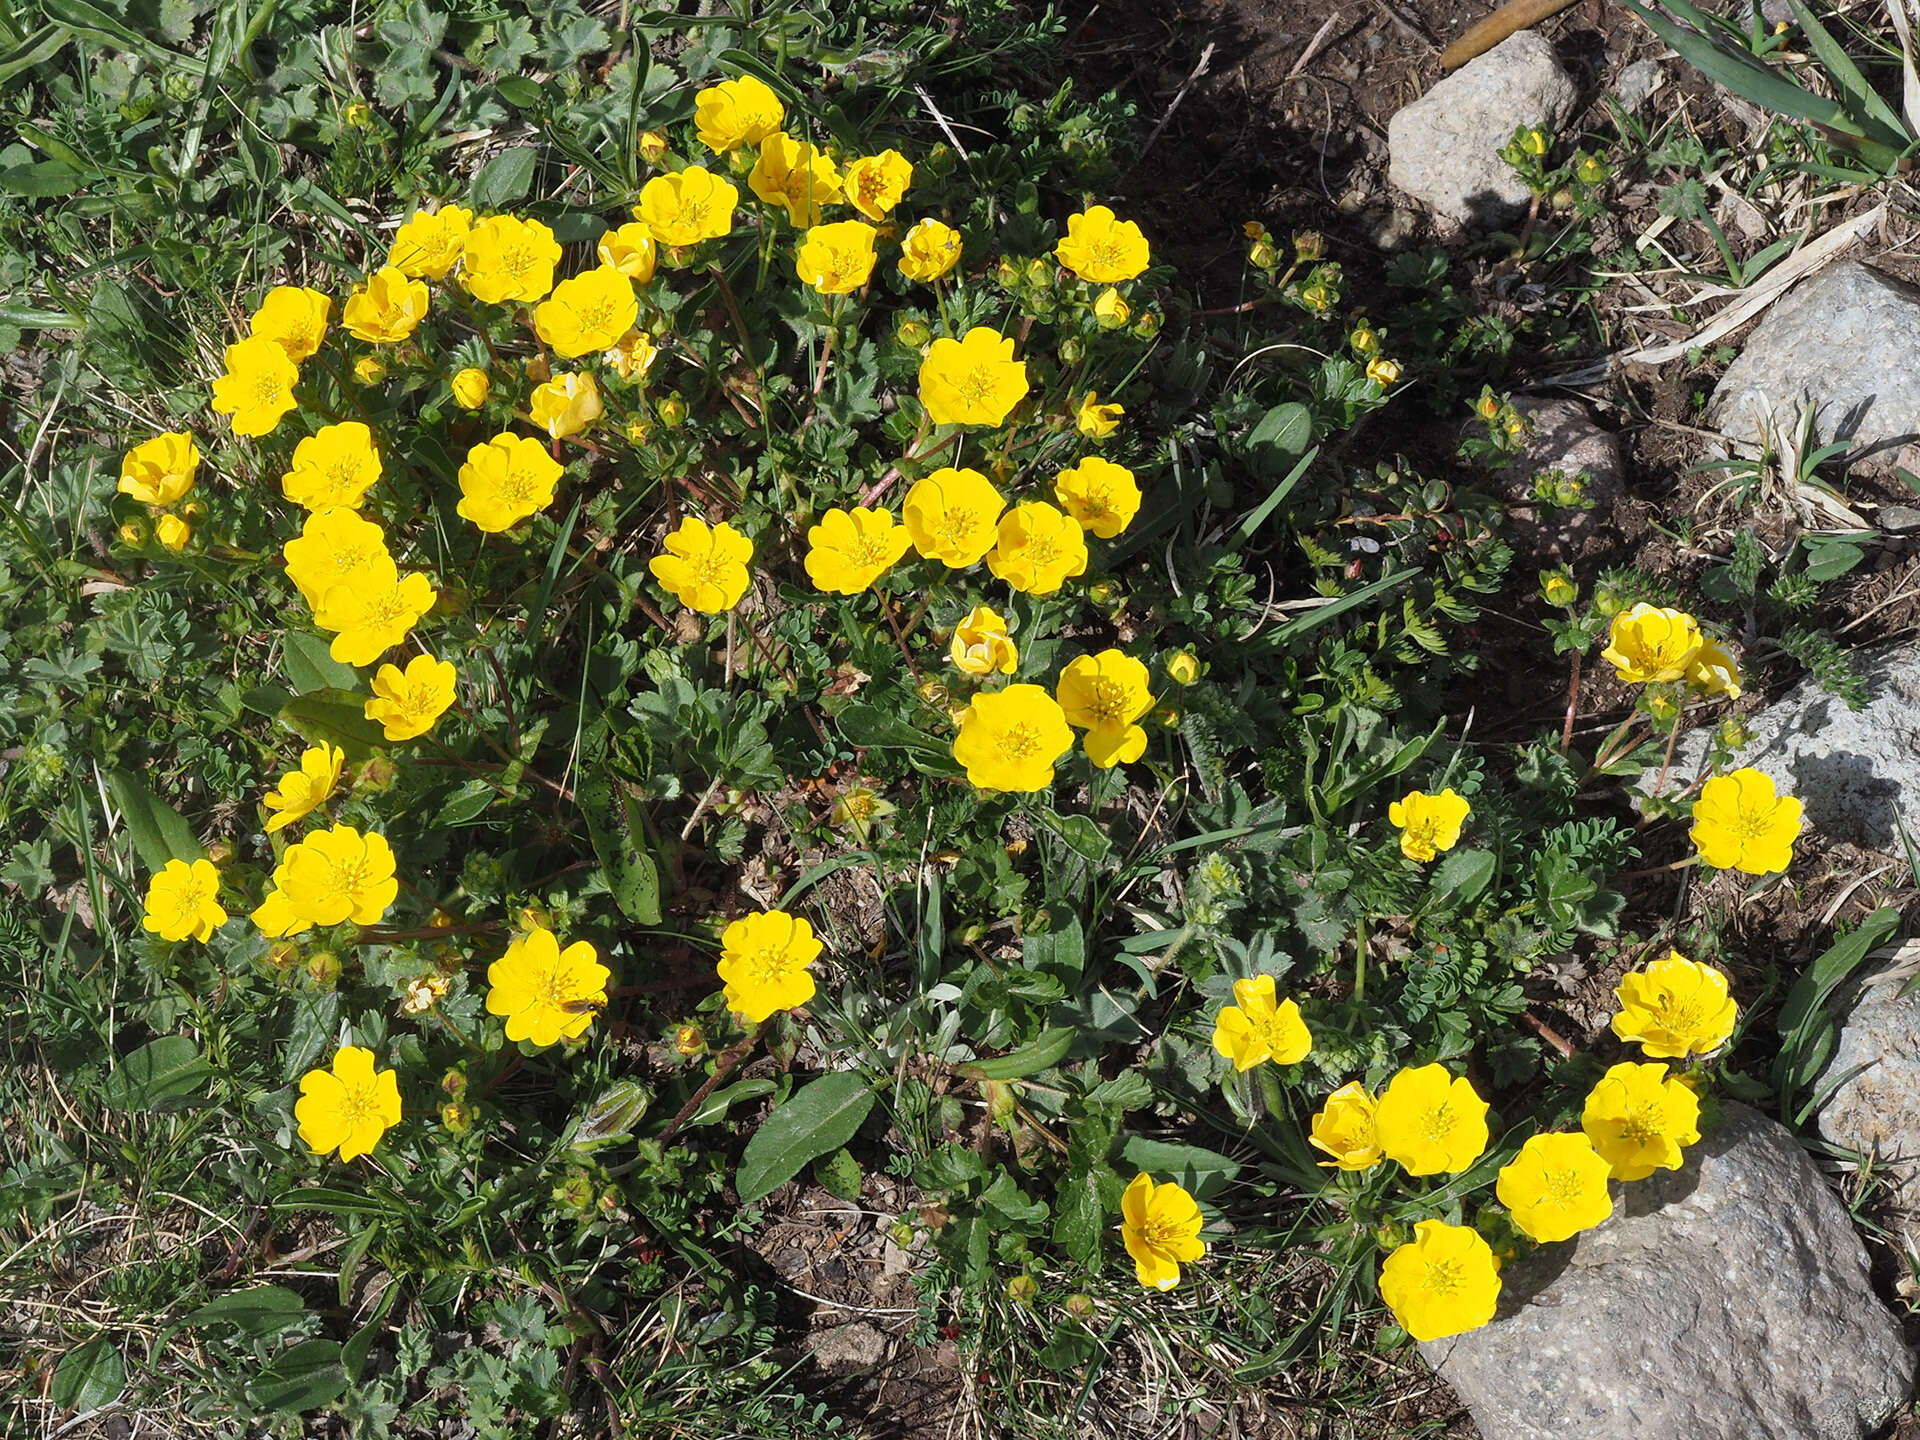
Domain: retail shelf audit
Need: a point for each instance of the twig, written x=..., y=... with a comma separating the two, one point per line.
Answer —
x=1199, y=69
x=1573, y=703
x=941, y=121
x=722, y=1068
x=1507, y=20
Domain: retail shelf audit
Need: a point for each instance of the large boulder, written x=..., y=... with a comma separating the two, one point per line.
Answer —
x=1875, y=1078
x=1840, y=343
x=1444, y=148
x=1727, y=1300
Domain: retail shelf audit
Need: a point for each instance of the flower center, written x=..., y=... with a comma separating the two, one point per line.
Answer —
x=1643, y=1123
x=345, y=880
x=1443, y=1276
x=1161, y=1235
x=955, y=526
x=1021, y=741
x=766, y=965
x=516, y=488
x=976, y=386
x=868, y=553
x=266, y=388
x=515, y=260
x=1438, y=1122
x=358, y=1104
x=1561, y=1187
x=190, y=897
x=1107, y=701
x=385, y=609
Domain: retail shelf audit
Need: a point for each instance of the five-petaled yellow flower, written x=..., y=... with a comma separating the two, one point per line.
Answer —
x=1160, y=1226
x=1097, y=421
x=1713, y=671
x=387, y=309
x=294, y=318
x=336, y=465
x=1101, y=495
x=566, y=404
x=929, y=250
x=974, y=381
x=507, y=258
x=328, y=878
x=505, y=480
x=335, y=547
x=471, y=388
x=407, y=702
x=836, y=259
x=256, y=391
x=547, y=994
x=305, y=790
x=1640, y=1120
x=183, y=901
x=1675, y=1007
x=1555, y=1187
x=1428, y=824
x=349, y=1107
x=1104, y=695
x=981, y=644
x=1345, y=1129
x=763, y=964
x=631, y=250
x=1445, y=1281
x=795, y=174
x=1009, y=739
x=687, y=206
x=850, y=549
x=876, y=183
x=372, y=612
x=704, y=568
x=1102, y=249
x=1648, y=644
x=160, y=471
x=1039, y=548
x=953, y=516
x=1431, y=1121
x=427, y=246
x=1740, y=822
x=589, y=312
x=737, y=112
x=1257, y=1027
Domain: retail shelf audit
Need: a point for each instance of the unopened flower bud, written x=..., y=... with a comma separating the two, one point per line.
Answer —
x=912, y=335
x=1591, y=170
x=369, y=370
x=1183, y=667
x=1383, y=372
x=1557, y=588
x=1078, y=1306
x=133, y=533
x=1071, y=350
x=689, y=1041
x=1021, y=1289
x=652, y=146
x=672, y=411
x=456, y=1117
x=470, y=388
x=357, y=116
x=1309, y=245
x=323, y=968
x=1262, y=254
x=454, y=1083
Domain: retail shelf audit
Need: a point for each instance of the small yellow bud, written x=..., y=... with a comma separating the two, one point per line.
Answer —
x=652, y=146
x=1383, y=372
x=1110, y=309
x=133, y=533
x=471, y=388
x=456, y=1117
x=173, y=532
x=358, y=115
x=369, y=370
x=194, y=512
x=1364, y=341
x=1591, y=170
x=639, y=428
x=689, y=1041
x=912, y=335
x=1253, y=230
x=1183, y=667
x=323, y=968
x=1557, y=588
x=672, y=410
x=1534, y=141
x=1262, y=254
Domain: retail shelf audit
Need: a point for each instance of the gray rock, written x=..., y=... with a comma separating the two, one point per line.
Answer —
x=1445, y=147
x=1842, y=342
x=848, y=1349
x=1898, y=519
x=1566, y=439
x=1876, y=1109
x=1727, y=1300
x=1637, y=83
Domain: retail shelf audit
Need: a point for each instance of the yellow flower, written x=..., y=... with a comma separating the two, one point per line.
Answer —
x=349, y=1107
x=183, y=901
x=1431, y=1122
x=1102, y=249
x=981, y=644
x=507, y=258
x=172, y=532
x=369, y=369
x=687, y=206
x=305, y=790
x=975, y=381
x=371, y=613
x=794, y=174
x=631, y=356
x=471, y=388
x=160, y=471
x=705, y=569
x=1160, y=1226
x=1104, y=694
x=547, y=994
x=952, y=516
x=293, y=318
x=1257, y=1028
x=1712, y=671
x=387, y=309
x=652, y=146
x=328, y=878
x=1675, y=1007
x=849, y=550
x=1555, y=1187
x=929, y=250
x=1101, y=495
x=1442, y=1282
x=1110, y=309
x=1039, y=548
x=428, y=246
x=257, y=388
x=1428, y=824
x=1345, y=1129
x=1640, y=1120
x=335, y=547
x=876, y=183
x=763, y=964
x=587, y=313
x=357, y=116
x=631, y=250
x=336, y=465
x=1648, y=643
x=735, y=113
x=566, y=404
x=1383, y=372
x=1741, y=823
x=1097, y=421
x=1009, y=739
x=1183, y=667
x=836, y=259
x=505, y=480
x=407, y=702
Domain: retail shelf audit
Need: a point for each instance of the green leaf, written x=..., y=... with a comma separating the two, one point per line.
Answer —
x=1048, y=1048
x=1200, y=1171
x=158, y=831
x=1011, y=1208
x=1081, y=834
x=301, y=1378
x=867, y=727
x=613, y=1116
x=258, y=1312
x=518, y=91
x=89, y=1376
x=1806, y=1031
x=309, y=665
x=159, y=1075
x=1061, y=953
x=1279, y=438
x=1078, y=1220
x=617, y=830
x=469, y=802
x=1257, y=516
x=839, y=1175
x=1463, y=877
x=504, y=181
x=818, y=1118
x=716, y=1105
x=334, y=717
x=42, y=179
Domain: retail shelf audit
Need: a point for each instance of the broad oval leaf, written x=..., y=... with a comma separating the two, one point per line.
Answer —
x=162, y=1074
x=817, y=1119
x=89, y=1376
